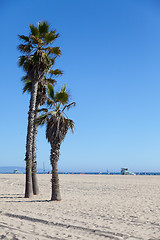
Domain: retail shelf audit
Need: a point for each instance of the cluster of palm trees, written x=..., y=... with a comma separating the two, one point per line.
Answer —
x=46, y=106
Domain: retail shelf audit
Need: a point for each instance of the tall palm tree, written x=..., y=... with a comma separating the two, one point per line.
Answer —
x=37, y=59
x=57, y=125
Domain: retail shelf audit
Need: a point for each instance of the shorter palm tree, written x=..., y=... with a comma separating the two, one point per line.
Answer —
x=57, y=126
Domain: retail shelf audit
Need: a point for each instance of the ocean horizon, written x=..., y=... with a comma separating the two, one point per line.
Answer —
x=10, y=170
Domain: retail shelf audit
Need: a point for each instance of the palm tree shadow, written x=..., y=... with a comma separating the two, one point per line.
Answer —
x=39, y=201
x=19, y=196
x=10, y=196
x=31, y=201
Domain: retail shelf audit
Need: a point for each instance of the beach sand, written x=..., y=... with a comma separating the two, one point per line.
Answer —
x=92, y=207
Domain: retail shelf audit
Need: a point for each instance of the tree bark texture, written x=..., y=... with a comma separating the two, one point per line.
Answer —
x=55, y=179
x=28, y=158
x=34, y=148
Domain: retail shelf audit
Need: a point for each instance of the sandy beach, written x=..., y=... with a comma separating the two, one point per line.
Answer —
x=92, y=207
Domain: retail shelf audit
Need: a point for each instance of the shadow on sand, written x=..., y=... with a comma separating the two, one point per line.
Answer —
x=17, y=196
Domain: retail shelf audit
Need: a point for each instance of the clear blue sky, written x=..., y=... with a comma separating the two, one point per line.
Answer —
x=111, y=63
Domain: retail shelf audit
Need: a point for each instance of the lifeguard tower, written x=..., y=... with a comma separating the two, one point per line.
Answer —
x=124, y=171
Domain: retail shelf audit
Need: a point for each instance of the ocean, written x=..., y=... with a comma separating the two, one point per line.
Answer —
x=10, y=170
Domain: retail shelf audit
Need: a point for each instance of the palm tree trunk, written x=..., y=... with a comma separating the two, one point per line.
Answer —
x=34, y=148
x=28, y=158
x=55, y=179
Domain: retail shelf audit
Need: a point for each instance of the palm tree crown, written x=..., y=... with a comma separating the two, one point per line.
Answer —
x=54, y=116
x=38, y=54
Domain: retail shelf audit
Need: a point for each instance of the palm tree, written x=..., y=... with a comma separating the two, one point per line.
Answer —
x=57, y=125
x=37, y=61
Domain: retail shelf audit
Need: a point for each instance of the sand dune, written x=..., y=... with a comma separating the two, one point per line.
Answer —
x=92, y=207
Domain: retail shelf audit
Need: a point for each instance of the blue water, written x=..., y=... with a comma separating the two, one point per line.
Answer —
x=10, y=170
x=111, y=173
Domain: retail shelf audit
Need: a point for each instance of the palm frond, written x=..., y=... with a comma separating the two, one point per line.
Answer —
x=55, y=72
x=43, y=27
x=50, y=37
x=41, y=120
x=51, y=80
x=71, y=125
x=34, y=30
x=53, y=59
x=25, y=38
x=27, y=80
x=26, y=48
x=73, y=104
x=54, y=50
x=27, y=87
x=35, y=40
x=43, y=110
x=26, y=66
x=50, y=102
x=24, y=78
x=21, y=60
x=55, y=113
x=63, y=89
x=50, y=91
